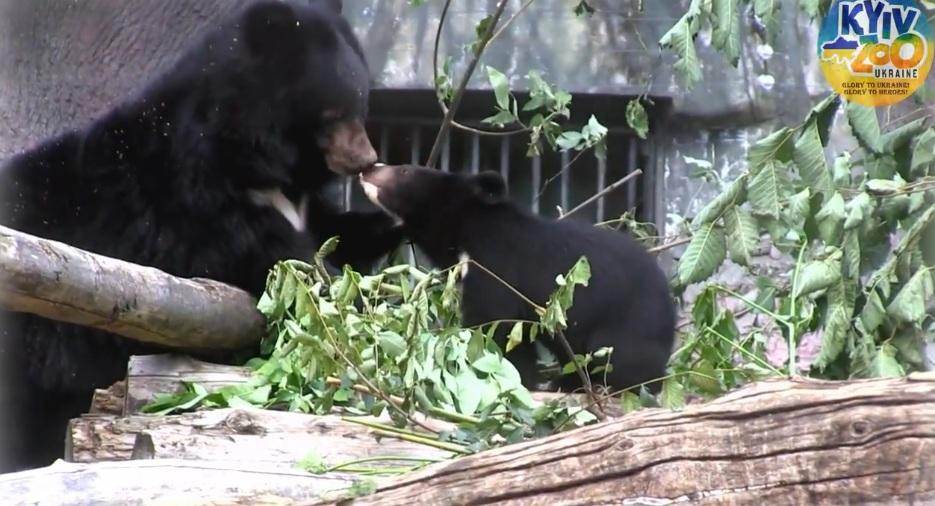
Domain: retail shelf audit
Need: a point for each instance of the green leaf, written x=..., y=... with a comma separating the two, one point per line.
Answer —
x=637, y=118
x=766, y=190
x=777, y=146
x=901, y=136
x=873, y=313
x=909, y=304
x=726, y=34
x=672, y=395
x=836, y=326
x=500, y=119
x=629, y=402
x=681, y=39
x=501, y=87
x=809, y=158
x=569, y=140
x=864, y=124
x=841, y=169
x=735, y=193
x=885, y=364
x=743, y=236
x=515, y=338
x=580, y=273
x=768, y=12
x=313, y=463
x=799, y=208
x=851, y=245
x=822, y=115
x=831, y=218
x=923, y=152
x=704, y=255
x=391, y=343
x=858, y=209
x=489, y=363
x=467, y=391
x=882, y=187
x=818, y=275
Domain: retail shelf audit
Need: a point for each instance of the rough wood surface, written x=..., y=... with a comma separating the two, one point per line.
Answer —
x=57, y=281
x=109, y=401
x=776, y=443
x=168, y=483
x=271, y=438
x=152, y=375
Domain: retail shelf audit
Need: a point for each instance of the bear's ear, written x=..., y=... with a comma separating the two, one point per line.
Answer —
x=490, y=184
x=271, y=29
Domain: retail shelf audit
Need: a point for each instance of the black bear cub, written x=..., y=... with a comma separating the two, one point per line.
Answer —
x=627, y=304
x=216, y=169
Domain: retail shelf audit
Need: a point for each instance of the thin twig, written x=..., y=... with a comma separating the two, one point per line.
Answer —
x=670, y=245
x=585, y=378
x=560, y=172
x=459, y=93
x=509, y=21
x=438, y=37
x=617, y=184
x=519, y=294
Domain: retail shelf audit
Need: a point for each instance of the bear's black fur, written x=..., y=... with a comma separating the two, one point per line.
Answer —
x=212, y=171
x=627, y=304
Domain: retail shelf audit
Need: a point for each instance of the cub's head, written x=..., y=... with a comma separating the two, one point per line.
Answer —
x=415, y=195
x=285, y=87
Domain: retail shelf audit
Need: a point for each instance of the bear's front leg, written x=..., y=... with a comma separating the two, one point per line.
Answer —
x=363, y=237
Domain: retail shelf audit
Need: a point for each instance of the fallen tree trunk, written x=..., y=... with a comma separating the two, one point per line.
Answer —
x=169, y=483
x=271, y=438
x=775, y=442
x=61, y=282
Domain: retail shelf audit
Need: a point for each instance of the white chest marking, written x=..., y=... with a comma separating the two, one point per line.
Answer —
x=464, y=259
x=372, y=192
x=295, y=215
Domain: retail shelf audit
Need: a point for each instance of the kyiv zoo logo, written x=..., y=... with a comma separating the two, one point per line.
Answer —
x=875, y=52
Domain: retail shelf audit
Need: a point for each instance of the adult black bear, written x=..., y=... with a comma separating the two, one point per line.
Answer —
x=215, y=170
x=627, y=304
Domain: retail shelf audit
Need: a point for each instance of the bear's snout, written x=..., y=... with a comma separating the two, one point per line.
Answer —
x=348, y=150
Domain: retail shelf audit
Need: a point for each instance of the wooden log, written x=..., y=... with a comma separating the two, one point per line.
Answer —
x=109, y=401
x=151, y=375
x=61, y=282
x=169, y=482
x=272, y=438
x=775, y=442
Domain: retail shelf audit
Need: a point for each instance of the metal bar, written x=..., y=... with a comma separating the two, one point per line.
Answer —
x=446, y=155
x=416, y=145
x=601, y=185
x=348, y=189
x=384, y=142
x=563, y=180
x=632, y=160
x=505, y=161
x=475, y=153
x=536, y=182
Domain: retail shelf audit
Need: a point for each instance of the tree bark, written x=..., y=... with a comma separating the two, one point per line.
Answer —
x=169, y=483
x=270, y=438
x=60, y=282
x=775, y=442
